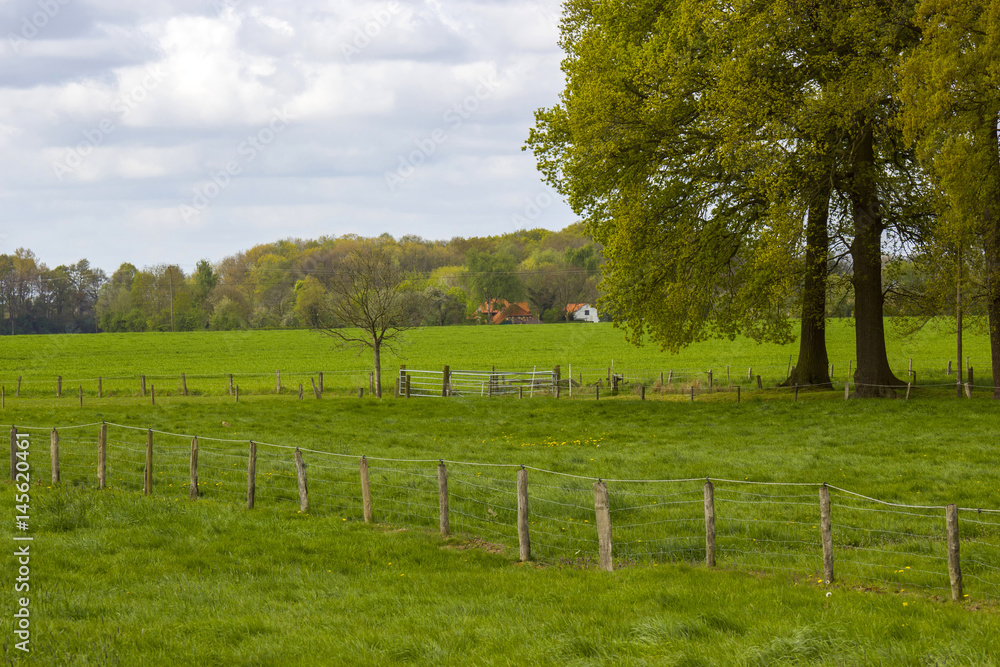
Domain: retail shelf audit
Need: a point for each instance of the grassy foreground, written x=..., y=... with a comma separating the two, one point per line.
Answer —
x=126, y=580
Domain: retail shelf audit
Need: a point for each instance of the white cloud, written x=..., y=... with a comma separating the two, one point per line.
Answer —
x=184, y=83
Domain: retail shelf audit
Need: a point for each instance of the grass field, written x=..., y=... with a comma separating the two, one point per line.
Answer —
x=254, y=356
x=127, y=579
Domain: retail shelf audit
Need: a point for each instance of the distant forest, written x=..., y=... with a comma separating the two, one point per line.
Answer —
x=283, y=284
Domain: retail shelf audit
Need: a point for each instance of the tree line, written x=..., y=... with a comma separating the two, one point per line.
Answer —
x=289, y=283
x=735, y=156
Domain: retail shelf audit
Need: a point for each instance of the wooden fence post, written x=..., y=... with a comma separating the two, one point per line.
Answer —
x=728, y=380
x=152, y=394
x=670, y=377
x=954, y=563
x=826, y=530
x=142, y=382
x=3, y=397
x=320, y=374
x=277, y=382
x=642, y=392
x=520, y=392
x=237, y=393
x=300, y=472
x=366, y=493
x=759, y=384
x=445, y=380
x=13, y=453
x=371, y=383
x=19, y=386
x=102, y=457
x=709, y=378
x=443, y=499
x=968, y=390
x=523, y=535
x=847, y=388
x=597, y=392
x=184, y=385
x=100, y=388
x=54, y=456
x=361, y=392
x=300, y=391
x=317, y=392
x=407, y=385
x=602, y=510
x=59, y=386
x=81, y=395
x=252, y=475
x=909, y=385
x=230, y=384
x=148, y=486
x=750, y=373
x=709, y=523
x=972, y=382
x=692, y=393
x=193, y=494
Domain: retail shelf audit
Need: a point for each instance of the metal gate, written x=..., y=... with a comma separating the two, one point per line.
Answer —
x=416, y=383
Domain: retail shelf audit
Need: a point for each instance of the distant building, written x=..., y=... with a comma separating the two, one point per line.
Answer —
x=501, y=311
x=582, y=312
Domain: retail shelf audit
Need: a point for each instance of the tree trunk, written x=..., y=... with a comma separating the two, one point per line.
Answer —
x=376, y=346
x=991, y=247
x=813, y=366
x=873, y=377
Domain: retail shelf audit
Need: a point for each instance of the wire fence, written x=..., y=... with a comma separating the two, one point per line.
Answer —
x=741, y=524
x=564, y=381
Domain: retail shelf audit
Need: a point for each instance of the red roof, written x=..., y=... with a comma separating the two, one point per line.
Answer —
x=573, y=307
x=513, y=311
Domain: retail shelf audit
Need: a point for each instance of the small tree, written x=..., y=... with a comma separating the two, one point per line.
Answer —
x=367, y=307
x=492, y=277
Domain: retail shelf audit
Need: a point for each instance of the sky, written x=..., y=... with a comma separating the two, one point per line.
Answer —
x=168, y=131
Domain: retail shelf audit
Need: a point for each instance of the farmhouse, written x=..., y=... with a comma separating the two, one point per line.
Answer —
x=582, y=312
x=501, y=311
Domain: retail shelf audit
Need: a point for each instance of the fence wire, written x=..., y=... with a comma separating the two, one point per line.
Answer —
x=766, y=526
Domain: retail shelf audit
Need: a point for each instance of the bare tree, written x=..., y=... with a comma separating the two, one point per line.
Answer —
x=367, y=307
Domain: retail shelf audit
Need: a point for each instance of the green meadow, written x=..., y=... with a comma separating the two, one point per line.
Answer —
x=589, y=350
x=121, y=578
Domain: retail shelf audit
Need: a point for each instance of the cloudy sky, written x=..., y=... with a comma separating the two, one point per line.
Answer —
x=158, y=131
